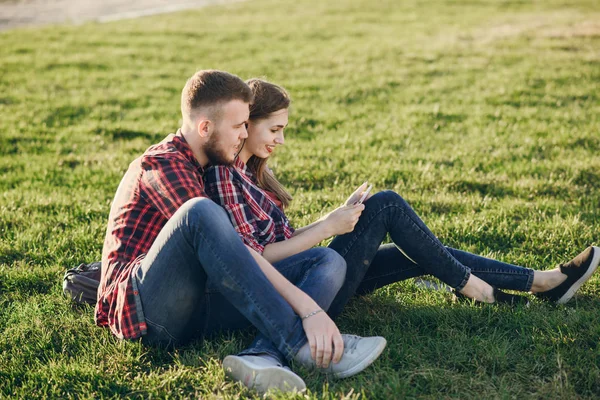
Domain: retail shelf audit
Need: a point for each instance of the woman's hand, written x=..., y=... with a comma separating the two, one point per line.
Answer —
x=324, y=338
x=343, y=219
x=354, y=197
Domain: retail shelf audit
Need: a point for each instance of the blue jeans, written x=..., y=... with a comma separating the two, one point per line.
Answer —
x=371, y=266
x=198, y=277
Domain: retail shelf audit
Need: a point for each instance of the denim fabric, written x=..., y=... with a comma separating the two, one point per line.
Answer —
x=319, y=272
x=198, y=244
x=371, y=266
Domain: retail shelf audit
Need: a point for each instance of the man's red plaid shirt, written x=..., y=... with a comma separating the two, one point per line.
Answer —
x=154, y=187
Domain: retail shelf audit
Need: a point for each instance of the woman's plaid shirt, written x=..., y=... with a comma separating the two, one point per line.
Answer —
x=252, y=212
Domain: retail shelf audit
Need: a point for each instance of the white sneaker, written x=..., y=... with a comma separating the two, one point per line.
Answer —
x=262, y=374
x=359, y=353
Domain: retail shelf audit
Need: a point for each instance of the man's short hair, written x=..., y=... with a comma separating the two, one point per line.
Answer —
x=209, y=88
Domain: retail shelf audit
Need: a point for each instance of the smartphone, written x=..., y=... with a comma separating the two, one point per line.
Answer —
x=364, y=195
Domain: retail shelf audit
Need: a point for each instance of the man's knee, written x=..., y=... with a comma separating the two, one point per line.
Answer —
x=334, y=265
x=201, y=206
x=204, y=211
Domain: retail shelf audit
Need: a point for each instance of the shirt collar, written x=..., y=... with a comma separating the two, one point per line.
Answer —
x=182, y=145
x=243, y=168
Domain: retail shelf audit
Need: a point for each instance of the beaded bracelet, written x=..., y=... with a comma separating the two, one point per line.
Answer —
x=312, y=313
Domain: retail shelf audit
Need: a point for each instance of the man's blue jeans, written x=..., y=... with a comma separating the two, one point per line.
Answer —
x=371, y=266
x=198, y=278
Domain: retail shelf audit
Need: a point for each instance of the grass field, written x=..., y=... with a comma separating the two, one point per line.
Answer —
x=484, y=115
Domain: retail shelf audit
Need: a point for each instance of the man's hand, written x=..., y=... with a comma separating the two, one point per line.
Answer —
x=324, y=338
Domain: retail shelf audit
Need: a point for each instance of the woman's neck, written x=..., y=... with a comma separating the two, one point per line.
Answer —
x=244, y=155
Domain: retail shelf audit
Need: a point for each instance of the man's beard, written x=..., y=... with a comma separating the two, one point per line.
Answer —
x=216, y=155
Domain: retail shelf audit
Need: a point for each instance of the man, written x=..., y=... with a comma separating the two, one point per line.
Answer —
x=169, y=252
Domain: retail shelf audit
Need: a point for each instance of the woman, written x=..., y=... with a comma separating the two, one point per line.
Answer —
x=255, y=201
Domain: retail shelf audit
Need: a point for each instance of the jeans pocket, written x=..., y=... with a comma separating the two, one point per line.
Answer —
x=159, y=335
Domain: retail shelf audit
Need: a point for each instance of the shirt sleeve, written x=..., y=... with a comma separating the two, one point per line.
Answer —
x=170, y=182
x=225, y=191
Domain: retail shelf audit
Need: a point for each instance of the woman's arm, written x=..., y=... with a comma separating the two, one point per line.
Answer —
x=350, y=201
x=308, y=227
x=323, y=335
x=301, y=303
x=338, y=222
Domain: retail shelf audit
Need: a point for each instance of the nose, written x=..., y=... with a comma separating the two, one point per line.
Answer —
x=244, y=134
x=279, y=138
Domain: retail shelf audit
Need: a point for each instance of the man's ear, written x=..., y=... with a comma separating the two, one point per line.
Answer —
x=204, y=127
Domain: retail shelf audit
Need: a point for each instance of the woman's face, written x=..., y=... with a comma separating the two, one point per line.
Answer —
x=266, y=134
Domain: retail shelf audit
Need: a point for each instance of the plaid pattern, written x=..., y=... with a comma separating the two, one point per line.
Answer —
x=254, y=215
x=154, y=187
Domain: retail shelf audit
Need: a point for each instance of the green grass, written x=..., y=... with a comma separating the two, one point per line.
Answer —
x=484, y=115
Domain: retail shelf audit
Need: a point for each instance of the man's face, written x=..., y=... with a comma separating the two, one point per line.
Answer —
x=228, y=134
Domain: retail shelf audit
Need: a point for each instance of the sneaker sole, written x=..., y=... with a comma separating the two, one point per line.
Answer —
x=574, y=287
x=363, y=364
x=262, y=379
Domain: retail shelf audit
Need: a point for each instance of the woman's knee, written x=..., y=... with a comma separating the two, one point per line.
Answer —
x=386, y=197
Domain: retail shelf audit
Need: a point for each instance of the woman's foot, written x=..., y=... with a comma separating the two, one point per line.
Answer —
x=577, y=272
x=479, y=290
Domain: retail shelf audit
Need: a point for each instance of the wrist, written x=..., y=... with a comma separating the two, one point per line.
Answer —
x=318, y=310
x=326, y=229
x=306, y=306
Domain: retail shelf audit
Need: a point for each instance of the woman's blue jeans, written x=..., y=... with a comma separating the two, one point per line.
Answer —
x=371, y=266
x=198, y=278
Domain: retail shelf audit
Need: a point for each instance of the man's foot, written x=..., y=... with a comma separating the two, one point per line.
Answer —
x=359, y=353
x=578, y=271
x=262, y=374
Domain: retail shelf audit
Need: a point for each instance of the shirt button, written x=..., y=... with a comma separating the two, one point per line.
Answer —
x=135, y=292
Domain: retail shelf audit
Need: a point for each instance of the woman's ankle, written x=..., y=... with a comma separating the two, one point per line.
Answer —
x=479, y=290
x=547, y=280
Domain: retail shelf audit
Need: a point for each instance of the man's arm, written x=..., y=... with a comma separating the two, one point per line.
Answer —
x=170, y=182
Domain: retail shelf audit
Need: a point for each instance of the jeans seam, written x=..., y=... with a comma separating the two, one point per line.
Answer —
x=306, y=273
x=495, y=271
x=301, y=261
x=529, y=283
x=149, y=321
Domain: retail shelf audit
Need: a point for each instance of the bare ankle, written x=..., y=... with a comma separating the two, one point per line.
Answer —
x=479, y=290
x=547, y=280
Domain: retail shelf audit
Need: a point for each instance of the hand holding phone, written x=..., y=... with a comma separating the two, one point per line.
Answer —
x=364, y=195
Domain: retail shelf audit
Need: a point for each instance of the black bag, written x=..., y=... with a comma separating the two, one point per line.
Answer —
x=80, y=284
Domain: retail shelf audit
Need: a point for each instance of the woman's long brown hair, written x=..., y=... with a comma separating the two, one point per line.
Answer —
x=268, y=98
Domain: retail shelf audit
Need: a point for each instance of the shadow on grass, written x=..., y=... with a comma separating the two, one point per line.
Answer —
x=483, y=188
x=125, y=134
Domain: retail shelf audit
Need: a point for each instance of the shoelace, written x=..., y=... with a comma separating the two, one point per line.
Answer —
x=350, y=343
